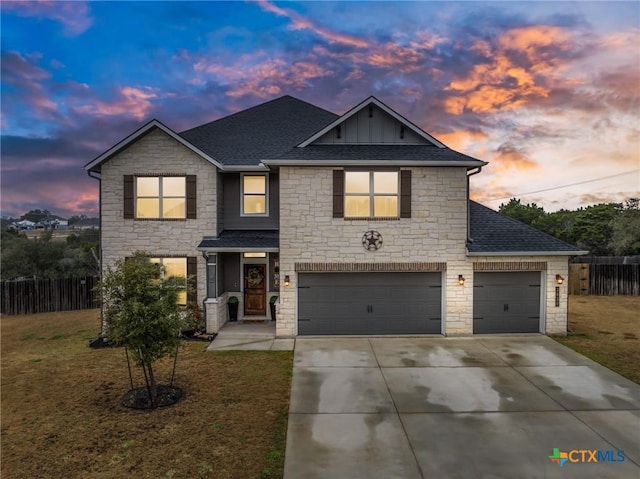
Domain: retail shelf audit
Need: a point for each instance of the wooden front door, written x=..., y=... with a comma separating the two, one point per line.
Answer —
x=255, y=290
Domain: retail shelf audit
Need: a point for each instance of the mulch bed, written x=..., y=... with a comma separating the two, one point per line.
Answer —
x=138, y=398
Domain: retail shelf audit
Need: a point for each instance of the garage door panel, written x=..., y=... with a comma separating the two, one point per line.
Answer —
x=369, y=303
x=506, y=302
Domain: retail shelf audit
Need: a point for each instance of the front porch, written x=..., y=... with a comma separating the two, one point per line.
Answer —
x=250, y=335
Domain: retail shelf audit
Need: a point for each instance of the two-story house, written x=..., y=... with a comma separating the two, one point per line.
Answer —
x=360, y=223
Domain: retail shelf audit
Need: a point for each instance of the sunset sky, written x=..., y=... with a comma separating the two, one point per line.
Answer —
x=547, y=92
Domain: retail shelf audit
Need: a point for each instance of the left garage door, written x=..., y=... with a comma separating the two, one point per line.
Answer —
x=369, y=303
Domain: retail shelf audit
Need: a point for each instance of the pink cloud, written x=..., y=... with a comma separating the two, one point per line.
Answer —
x=74, y=16
x=133, y=102
x=298, y=22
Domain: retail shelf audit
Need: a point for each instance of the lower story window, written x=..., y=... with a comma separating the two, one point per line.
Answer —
x=175, y=267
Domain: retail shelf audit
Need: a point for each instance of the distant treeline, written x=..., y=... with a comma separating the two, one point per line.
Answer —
x=603, y=230
x=42, y=258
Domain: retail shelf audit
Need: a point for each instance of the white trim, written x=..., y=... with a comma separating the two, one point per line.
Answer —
x=215, y=249
x=265, y=175
x=140, y=132
x=397, y=163
x=383, y=107
x=260, y=168
x=527, y=253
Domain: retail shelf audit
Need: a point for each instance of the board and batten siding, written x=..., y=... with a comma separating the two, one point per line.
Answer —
x=375, y=127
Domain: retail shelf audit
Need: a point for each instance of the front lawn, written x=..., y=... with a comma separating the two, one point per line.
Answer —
x=607, y=330
x=62, y=416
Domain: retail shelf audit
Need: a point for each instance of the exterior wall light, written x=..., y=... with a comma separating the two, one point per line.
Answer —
x=461, y=280
x=559, y=279
x=287, y=280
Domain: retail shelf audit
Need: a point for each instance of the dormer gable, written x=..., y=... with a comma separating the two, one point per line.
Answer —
x=371, y=123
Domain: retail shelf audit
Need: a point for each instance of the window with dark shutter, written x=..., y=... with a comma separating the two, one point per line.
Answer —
x=192, y=274
x=338, y=193
x=128, y=197
x=191, y=196
x=405, y=194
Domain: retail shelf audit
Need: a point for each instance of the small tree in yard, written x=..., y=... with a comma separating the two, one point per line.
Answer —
x=141, y=313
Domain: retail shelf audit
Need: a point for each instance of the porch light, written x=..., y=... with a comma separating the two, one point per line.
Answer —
x=559, y=279
x=461, y=280
x=287, y=280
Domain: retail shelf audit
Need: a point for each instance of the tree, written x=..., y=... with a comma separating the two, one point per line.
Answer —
x=141, y=313
x=526, y=213
x=35, y=215
x=593, y=229
x=625, y=238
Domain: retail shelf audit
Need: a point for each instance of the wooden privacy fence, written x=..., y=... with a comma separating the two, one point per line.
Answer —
x=604, y=279
x=48, y=295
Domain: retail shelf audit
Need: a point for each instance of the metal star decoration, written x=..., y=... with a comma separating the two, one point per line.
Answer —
x=372, y=240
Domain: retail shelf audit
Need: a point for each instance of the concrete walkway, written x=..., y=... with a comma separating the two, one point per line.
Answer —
x=483, y=407
x=257, y=336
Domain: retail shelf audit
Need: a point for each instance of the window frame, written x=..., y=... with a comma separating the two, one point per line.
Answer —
x=265, y=176
x=371, y=194
x=160, y=260
x=161, y=196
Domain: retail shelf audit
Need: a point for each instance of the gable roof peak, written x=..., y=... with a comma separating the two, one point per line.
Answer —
x=389, y=111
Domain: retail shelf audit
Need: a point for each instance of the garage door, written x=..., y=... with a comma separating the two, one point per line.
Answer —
x=506, y=302
x=369, y=303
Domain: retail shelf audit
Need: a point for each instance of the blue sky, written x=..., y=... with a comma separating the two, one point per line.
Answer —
x=547, y=92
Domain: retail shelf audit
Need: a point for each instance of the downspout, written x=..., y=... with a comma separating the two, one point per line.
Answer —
x=103, y=329
x=469, y=238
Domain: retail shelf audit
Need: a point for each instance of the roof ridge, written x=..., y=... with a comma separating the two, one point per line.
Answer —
x=259, y=105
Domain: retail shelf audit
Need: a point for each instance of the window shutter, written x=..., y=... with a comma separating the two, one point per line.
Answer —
x=192, y=274
x=191, y=196
x=338, y=193
x=405, y=194
x=129, y=210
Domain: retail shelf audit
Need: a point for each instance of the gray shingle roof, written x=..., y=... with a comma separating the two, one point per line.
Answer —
x=376, y=152
x=232, y=239
x=265, y=131
x=493, y=232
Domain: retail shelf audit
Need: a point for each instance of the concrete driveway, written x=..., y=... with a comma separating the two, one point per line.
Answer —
x=482, y=407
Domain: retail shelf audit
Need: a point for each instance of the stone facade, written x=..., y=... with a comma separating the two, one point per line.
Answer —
x=436, y=233
x=157, y=153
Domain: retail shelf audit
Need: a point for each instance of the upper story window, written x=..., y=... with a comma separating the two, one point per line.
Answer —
x=371, y=194
x=160, y=197
x=254, y=194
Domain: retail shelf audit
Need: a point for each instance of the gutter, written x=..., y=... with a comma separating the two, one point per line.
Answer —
x=469, y=163
x=478, y=170
x=103, y=326
x=527, y=253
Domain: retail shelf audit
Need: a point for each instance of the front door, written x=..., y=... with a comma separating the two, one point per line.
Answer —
x=255, y=290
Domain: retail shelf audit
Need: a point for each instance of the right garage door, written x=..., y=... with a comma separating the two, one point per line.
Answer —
x=506, y=302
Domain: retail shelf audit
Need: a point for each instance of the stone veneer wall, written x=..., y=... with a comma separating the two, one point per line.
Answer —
x=157, y=153
x=436, y=232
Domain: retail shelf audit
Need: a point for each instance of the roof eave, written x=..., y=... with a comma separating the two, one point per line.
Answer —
x=139, y=133
x=467, y=163
x=526, y=253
